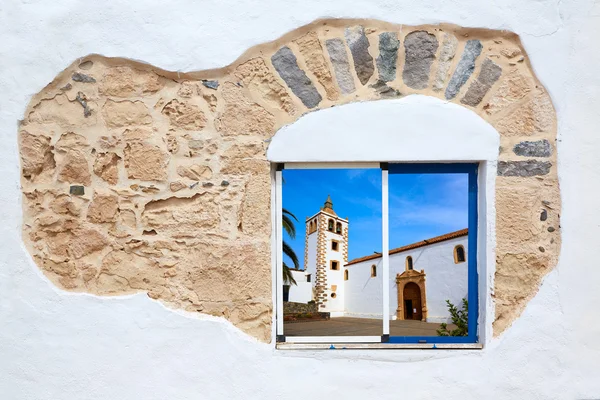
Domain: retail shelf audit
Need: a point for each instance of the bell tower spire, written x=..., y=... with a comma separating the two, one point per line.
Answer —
x=328, y=206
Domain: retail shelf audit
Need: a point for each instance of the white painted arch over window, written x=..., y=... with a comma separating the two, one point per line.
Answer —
x=413, y=128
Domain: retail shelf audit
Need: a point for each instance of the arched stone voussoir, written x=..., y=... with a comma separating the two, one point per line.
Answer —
x=137, y=179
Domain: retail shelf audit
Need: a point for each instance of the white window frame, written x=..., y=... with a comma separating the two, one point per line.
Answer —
x=485, y=196
x=279, y=255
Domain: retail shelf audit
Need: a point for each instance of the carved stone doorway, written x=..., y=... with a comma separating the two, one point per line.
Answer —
x=412, y=299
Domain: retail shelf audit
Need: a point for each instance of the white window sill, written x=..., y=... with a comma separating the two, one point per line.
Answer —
x=381, y=346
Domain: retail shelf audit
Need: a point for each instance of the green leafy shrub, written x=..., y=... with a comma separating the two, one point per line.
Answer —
x=460, y=318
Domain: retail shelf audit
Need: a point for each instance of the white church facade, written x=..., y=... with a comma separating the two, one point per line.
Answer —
x=423, y=275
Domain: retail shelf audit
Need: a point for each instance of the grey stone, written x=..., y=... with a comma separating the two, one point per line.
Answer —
x=523, y=168
x=388, y=56
x=79, y=77
x=447, y=54
x=540, y=148
x=77, y=190
x=551, y=229
x=224, y=183
x=543, y=215
x=542, y=249
x=208, y=184
x=489, y=74
x=420, y=48
x=68, y=86
x=211, y=84
x=359, y=47
x=286, y=65
x=464, y=69
x=384, y=90
x=341, y=66
x=81, y=99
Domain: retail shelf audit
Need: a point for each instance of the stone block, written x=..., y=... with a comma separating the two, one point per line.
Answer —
x=447, y=53
x=540, y=148
x=420, y=48
x=286, y=65
x=311, y=50
x=464, y=69
x=359, y=48
x=523, y=168
x=341, y=65
x=489, y=74
x=388, y=56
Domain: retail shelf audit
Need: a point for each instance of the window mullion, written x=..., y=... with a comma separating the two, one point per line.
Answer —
x=385, y=251
x=279, y=254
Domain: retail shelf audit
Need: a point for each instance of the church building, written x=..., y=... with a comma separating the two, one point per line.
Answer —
x=423, y=275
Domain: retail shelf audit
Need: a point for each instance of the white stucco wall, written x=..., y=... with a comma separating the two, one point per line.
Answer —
x=57, y=345
x=311, y=265
x=363, y=293
x=444, y=280
x=301, y=292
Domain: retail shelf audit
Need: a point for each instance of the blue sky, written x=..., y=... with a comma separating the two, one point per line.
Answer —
x=421, y=206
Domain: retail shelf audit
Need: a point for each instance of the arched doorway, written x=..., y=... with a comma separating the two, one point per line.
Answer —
x=412, y=296
x=412, y=301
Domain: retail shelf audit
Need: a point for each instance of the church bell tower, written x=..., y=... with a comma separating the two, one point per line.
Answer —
x=325, y=256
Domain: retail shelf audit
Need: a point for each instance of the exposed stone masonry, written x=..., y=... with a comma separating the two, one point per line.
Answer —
x=142, y=180
x=359, y=47
x=341, y=65
x=420, y=48
x=388, y=56
x=464, y=69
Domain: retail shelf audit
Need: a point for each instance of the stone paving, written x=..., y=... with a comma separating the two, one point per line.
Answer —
x=345, y=326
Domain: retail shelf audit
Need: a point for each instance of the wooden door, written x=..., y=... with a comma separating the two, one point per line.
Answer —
x=412, y=295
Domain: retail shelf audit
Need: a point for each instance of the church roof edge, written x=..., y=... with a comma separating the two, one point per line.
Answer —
x=437, y=239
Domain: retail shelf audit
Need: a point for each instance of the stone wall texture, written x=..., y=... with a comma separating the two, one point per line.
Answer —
x=137, y=179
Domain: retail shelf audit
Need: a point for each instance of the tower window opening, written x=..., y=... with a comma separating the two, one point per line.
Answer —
x=335, y=265
x=330, y=225
x=346, y=275
x=338, y=227
x=335, y=245
x=409, y=263
x=373, y=271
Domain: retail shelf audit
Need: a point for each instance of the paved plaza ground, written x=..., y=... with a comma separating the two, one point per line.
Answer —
x=345, y=326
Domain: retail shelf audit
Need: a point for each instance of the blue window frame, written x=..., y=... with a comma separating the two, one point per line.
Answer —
x=473, y=290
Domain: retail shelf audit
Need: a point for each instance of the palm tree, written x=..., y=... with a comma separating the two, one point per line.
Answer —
x=288, y=226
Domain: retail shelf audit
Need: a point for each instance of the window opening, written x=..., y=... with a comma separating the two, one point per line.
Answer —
x=459, y=254
x=442, y=202
x=409, y=263
x=328, y=194
x=432, y=214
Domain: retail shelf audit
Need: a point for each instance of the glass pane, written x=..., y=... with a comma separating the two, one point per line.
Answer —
x=336, y=219
x=428, y=217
